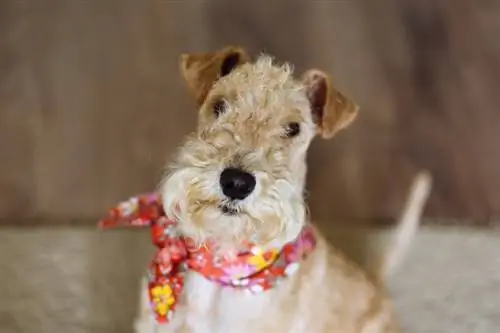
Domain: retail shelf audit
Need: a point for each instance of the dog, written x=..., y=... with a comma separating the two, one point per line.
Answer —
x=236, y=187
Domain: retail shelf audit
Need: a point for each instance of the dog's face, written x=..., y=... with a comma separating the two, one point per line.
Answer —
x=240, y=177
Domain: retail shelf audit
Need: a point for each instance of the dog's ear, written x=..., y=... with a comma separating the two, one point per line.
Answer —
x=332, y=110
x=202, y=70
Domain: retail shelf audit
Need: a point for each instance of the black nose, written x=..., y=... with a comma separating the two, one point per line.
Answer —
x=236, y=184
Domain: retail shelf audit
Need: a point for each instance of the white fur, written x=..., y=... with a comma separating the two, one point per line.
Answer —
x=283, y=200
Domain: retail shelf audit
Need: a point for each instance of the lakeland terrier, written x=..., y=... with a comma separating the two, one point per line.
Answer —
x=250, y=260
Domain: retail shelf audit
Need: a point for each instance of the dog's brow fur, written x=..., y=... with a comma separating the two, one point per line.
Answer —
x=245, y=116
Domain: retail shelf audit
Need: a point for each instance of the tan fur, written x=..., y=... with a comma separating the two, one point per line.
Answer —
x=328, y=293
x=202, y=70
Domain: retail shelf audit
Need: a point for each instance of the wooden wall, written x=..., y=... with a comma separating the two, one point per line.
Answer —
x=92, y=105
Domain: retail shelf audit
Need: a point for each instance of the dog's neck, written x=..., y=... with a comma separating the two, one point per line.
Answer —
x=254, y=269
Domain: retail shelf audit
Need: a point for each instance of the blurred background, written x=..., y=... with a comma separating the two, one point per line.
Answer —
x=92, y=106
x=92, y=103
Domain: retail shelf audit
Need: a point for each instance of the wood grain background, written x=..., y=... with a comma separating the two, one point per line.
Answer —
x=92, y=104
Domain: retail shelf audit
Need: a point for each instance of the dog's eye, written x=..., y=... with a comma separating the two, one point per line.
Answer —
x=292, y=129
x=219, y=107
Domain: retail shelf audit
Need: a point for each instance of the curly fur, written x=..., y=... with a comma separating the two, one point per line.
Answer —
x=328, y=293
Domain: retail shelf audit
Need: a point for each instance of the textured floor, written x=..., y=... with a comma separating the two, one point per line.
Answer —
x=79, y=280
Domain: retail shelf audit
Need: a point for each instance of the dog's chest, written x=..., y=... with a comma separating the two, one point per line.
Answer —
x=209, y=308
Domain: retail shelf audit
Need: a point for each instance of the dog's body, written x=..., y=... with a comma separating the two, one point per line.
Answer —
x=327, y=294
x=257, y=121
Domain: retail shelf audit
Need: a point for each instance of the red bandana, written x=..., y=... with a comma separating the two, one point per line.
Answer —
x=253, y=270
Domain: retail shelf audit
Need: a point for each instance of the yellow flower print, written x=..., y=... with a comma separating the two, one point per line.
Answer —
x=162, y=308
x=259, y=261
x=163, y=298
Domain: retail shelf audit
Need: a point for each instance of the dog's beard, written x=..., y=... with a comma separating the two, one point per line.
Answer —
x=271, y=216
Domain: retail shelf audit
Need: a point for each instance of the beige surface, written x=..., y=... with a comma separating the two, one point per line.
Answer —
x=80, y=280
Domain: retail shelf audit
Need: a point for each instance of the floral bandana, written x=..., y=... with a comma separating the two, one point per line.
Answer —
x=252, y=270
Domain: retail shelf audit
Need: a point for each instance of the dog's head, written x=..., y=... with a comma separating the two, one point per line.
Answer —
x=240, y=177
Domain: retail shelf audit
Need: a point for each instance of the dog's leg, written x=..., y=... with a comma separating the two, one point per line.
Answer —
x=407, y=224
x=194, y=318
x=145, y=322
x=200, y=296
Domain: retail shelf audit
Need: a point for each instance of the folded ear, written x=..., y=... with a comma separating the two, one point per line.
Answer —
x=202, y=70
x=332, y=110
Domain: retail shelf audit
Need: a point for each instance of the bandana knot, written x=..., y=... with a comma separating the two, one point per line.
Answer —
x=253, y=270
